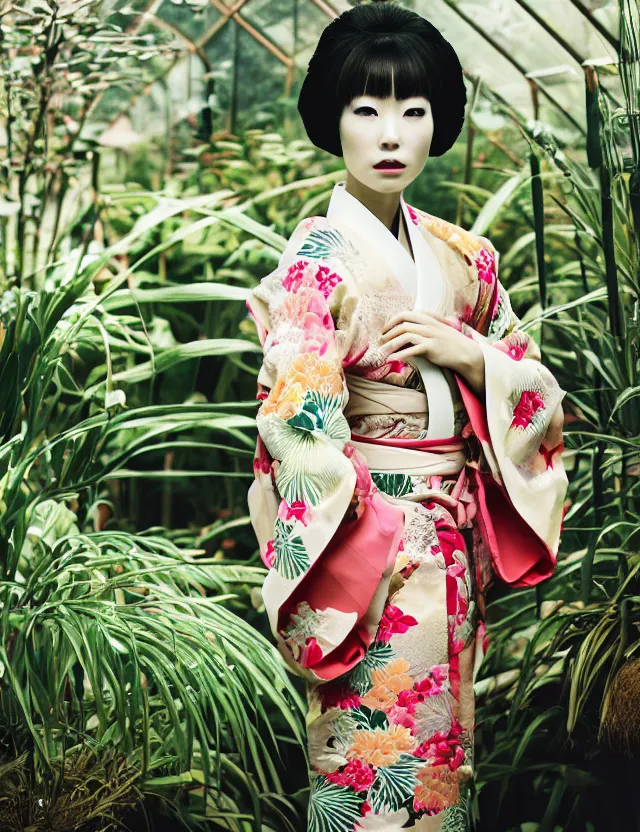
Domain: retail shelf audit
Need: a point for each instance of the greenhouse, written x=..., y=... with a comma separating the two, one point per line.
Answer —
x=320, y=415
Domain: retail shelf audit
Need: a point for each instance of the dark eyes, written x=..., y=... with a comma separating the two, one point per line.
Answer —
x=417, y=111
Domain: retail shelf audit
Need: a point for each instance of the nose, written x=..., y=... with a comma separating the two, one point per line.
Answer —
x=389, y=139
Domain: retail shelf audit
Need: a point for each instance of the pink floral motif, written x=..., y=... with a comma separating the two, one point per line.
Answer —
x=394, y=621
x=408, y=699
x=327, y=281
x=433, y=683
x=355, y=775
x=299, y=510
x=311, y=653
x=530, y=403
x=486, y=265
x=444, y=749
x=514, y=345
x=269, y=555
x=334, y=695
x=307, y=310
x=440, y=672
x=261, y=461
x=294, y=276
x=415, y=218
x=401, y=716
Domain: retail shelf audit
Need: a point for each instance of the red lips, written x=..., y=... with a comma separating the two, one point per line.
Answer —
x=389, y=163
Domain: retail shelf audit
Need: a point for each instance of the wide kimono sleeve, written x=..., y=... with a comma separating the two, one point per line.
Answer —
x=519, y=426
x=326, y=534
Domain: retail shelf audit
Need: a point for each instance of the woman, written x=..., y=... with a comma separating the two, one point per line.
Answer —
x=409, y=440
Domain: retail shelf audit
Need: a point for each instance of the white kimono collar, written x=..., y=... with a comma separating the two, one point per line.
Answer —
x=422, y=279
x=347, y=208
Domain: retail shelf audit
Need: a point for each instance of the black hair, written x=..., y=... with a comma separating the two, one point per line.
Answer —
x=366, y=49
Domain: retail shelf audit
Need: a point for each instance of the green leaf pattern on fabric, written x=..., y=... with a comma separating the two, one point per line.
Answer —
x=307, y=472
x=395, y=784
x=378, y=655
x=322, y=243
x=322, y=413
x=455, y=819
x=292, y=558
x=332, y=808
x=368, y=720
x=395, y=485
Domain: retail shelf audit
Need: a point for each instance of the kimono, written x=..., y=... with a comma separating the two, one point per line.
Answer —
x=387, y=496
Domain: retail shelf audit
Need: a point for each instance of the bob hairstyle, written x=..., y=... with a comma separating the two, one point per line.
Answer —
x=360, y=51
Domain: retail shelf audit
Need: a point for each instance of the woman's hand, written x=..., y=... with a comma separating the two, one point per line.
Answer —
x=439, y=340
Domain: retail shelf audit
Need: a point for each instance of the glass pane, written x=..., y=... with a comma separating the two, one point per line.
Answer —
x=219, y=52
x=574, y=28
x=606, y=12
x=274, y=20
x=192, y=19
x=261, y=78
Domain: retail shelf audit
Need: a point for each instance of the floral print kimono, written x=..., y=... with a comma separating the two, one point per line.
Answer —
x=386, y=497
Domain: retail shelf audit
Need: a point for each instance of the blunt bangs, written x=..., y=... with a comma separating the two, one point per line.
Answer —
x=383, y=66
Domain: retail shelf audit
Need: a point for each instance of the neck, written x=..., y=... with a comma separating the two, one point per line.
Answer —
x=383, y=206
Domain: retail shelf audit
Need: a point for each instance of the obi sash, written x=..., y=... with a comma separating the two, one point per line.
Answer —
x=519, y=556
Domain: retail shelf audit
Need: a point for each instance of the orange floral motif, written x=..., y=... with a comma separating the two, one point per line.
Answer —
x=465, y=242
x=284, y=399
x=387, y=683
x=382, y=746
x=315, y=373
x=307, y=372
x=437, y=789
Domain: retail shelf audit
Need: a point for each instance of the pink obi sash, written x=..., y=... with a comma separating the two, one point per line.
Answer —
x=519, y=556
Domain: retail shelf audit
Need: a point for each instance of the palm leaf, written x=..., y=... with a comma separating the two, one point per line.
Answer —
x=332, y=808
x=395, y=784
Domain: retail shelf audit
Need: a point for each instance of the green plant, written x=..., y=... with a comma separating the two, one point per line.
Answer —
x=550, y=681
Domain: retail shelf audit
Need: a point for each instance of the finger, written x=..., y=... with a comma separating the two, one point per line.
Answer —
x=401, y=355
x=403, y=340
x=408, y=315
x=399, y=329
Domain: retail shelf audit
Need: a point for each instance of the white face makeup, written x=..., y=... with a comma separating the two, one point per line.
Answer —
x=373, y=130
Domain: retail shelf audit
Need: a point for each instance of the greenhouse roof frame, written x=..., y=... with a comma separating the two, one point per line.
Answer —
x=495, y=22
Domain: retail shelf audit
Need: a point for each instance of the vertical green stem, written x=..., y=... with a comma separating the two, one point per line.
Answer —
x=608, y=242
x=537, y=200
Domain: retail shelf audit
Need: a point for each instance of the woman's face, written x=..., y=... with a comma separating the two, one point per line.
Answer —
x=373, y=130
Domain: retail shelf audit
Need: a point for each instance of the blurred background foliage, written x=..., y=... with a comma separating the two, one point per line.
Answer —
x=152, y=166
